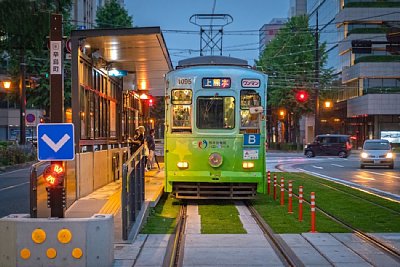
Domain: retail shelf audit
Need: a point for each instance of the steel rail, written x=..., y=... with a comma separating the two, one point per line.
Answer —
x=395, y=254
x=285, y=253
x=175, y=249
x=347, y=193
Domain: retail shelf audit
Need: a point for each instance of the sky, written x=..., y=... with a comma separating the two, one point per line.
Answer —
x=240, y=38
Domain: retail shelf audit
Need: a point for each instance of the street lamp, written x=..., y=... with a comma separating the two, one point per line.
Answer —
x=328, y=104
x=7, y=84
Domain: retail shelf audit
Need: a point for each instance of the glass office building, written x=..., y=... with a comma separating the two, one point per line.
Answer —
x=367, y=87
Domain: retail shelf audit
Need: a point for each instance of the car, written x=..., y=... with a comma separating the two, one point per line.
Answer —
x=329, y=145
x=377, y=152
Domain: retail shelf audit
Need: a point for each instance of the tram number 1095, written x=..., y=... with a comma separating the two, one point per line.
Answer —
x=182, y=81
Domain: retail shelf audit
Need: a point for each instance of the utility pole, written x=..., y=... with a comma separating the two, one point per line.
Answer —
x=22, y=99
x=57, y=192
x=316, y=84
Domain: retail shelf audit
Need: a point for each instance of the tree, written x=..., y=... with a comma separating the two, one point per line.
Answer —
x=289, y=60
x=24, y=26
x=112, y=15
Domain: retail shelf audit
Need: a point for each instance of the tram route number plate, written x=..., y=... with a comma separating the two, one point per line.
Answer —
x=250, y=154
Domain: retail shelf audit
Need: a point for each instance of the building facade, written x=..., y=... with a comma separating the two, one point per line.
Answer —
x=297, y=8
x=268, y=32
x=84, y=12
x=366, y=92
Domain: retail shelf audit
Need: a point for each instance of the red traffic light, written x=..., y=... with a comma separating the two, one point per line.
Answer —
x=150, y=102
x=54, y=174
x=302, y=96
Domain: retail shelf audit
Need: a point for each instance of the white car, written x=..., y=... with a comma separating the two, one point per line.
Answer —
x=377, y=152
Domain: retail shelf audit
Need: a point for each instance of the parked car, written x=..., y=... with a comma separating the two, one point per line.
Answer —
x=377, y=152
x=329, y=145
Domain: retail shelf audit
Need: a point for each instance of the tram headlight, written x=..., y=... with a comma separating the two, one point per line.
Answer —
x=215, y=160
x=247, y=164
x=182, y=165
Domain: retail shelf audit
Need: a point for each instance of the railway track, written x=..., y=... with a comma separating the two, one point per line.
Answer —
x=284, y=252
x=174, y=253
x=395, y=254
x=347, y=193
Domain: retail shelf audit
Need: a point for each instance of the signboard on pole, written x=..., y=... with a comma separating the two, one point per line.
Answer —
x=55, y=141
x=55, y=57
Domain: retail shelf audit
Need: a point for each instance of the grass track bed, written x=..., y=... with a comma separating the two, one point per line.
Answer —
x=358, y=212
x=162, y=218
x=220, y=217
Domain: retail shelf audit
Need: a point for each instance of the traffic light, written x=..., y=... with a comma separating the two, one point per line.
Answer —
x=54, y=174
x=301, y=96
x=150, y=102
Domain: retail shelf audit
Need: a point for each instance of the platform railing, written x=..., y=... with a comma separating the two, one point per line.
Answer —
x=35, y=173
x=132, y=195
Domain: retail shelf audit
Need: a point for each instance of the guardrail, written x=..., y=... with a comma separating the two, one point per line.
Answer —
x=132, y=195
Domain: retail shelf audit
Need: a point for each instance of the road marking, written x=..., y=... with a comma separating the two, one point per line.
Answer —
x=337, y=165
x=317, y=167
x=384, y=174
x=380, y=193
x=12, y=186
x=364, y=178
x=58, y=145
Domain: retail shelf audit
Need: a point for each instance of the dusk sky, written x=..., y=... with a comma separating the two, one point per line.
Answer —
x=173, y=15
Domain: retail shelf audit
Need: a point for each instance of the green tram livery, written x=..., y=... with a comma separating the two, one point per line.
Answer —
x=215, y=129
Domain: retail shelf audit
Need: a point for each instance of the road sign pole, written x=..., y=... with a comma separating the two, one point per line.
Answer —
x=56, y=99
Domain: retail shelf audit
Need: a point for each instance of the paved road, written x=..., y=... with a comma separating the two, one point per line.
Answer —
x=14, y=192
x=381, y=180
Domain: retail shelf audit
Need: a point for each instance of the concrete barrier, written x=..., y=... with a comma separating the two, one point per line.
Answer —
x=56, y=242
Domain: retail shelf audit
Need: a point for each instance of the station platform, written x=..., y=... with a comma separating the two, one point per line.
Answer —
x=107, y=200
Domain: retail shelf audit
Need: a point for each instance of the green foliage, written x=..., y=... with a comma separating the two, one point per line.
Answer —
x=289, y=61
x=12, y=154
x=112, y=15
x=24, y=26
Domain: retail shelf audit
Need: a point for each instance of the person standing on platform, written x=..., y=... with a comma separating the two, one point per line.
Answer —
x=151, y=144
x=135, y=143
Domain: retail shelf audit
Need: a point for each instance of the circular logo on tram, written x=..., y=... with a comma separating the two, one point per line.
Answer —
x=202, y=144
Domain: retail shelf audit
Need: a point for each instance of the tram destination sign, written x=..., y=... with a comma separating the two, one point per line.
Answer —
x=216, y=83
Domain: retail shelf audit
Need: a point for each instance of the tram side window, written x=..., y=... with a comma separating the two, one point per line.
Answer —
x=215, y=113
x=181, y=100
x=249, y=98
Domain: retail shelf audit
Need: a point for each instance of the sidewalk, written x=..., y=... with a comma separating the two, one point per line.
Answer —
x=107, y=200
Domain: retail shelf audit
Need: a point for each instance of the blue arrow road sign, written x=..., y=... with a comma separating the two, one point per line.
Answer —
x=55, y=141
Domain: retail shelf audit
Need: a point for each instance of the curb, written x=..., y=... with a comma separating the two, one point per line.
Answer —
x=4, y=169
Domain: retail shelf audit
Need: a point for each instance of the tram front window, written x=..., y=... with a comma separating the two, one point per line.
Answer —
x=215, y=112
x=248, y=99
x=181, y=100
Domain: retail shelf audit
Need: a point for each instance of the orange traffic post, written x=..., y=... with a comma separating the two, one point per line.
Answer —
x=274, y=186
x=300, y=203
x=313, y=212
x=290, y=207
x=282, y=191
x=269, y=182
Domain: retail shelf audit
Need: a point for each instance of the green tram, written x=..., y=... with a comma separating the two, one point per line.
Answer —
x=215, y=129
